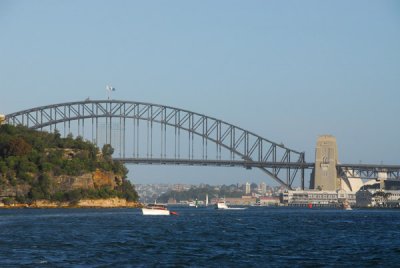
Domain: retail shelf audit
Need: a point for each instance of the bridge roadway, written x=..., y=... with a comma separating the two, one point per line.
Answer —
x=207, y=162
x=352, y=170
x=244, y=163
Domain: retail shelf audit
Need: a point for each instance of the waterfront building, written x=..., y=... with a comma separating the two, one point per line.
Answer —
x=364, y=198
x=347, y=196
x=269, y=201
x=244, y=201
x=318, y=198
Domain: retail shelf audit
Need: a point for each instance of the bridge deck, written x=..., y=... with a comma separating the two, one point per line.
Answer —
x=231, y=163
x=352, y=170
x=206, y=162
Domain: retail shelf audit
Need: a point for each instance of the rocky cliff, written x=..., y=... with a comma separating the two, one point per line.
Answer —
x=64, y=183
x=84, y=203
x=95, y=180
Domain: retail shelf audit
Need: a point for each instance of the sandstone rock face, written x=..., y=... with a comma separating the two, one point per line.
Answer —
x=48, y=204
x=86, y=203
x=67, y=183
x=95, y=180
x=106, y=203
x=64, y=183
x=13, y=191
x=105, y=179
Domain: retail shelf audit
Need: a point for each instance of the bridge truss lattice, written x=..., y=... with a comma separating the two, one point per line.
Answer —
x=145, y=133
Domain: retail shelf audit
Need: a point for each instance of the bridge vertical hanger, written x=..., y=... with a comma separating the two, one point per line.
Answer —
x=231, y=142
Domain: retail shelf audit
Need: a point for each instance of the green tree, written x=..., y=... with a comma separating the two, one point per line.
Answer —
x=74, y=196
x=18, y=147
x=3, y=168
x=128, y=191
x=107, y=151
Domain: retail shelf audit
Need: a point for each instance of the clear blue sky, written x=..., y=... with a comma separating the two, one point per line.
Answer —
x=286, y=70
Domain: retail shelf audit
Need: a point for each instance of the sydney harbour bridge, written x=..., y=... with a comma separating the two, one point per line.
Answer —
x=145, y=133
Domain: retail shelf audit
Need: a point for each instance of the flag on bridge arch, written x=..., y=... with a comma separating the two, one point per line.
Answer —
x=110, y=88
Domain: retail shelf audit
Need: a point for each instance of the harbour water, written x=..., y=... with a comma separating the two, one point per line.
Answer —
x=202, y=237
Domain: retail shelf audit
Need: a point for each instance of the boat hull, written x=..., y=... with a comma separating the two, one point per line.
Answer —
x=155, y=212
x=221, y=205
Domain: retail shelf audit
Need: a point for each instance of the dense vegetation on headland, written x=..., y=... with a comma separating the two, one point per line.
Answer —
x=30, y=160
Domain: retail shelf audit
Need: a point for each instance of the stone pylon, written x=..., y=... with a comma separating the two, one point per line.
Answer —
x=2, y=118
x=326, y=158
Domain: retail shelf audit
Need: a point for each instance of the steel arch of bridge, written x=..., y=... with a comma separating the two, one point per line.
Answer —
x=253, y=150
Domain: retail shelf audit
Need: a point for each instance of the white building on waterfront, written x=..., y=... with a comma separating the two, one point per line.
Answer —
x=318, y=198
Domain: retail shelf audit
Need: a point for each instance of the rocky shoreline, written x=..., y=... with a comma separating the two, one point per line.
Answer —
x=84, y=203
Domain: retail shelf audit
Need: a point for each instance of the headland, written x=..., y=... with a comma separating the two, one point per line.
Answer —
x=42, y=170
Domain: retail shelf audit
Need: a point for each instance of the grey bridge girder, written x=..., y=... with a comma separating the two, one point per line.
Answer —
x=210, y=129
x=208, y=162
x=368, y=171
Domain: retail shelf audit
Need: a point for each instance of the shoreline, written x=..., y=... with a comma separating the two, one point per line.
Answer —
x=84, y=203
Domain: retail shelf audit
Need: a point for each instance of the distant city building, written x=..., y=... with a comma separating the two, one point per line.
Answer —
x=263, y=188
x=171, y=201
x=248, y=190
x=179, y=187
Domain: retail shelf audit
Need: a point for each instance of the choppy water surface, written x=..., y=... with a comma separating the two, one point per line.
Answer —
x=265, y=237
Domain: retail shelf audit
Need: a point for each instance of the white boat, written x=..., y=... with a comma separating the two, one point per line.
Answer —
x=193, y=204
x=157, y=210
x=222, y=205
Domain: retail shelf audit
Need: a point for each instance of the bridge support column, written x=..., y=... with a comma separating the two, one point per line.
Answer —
x=326, y=158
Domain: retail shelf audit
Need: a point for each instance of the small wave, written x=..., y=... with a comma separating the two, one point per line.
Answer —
x=341, y=221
